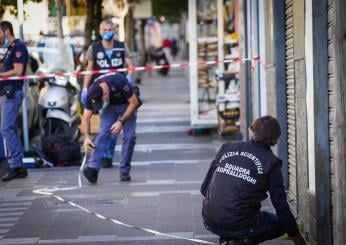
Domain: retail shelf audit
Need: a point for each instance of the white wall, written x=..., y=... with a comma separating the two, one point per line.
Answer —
x=35, y=19
x=309, y=50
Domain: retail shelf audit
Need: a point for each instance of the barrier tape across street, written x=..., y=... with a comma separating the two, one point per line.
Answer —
x=140, y=68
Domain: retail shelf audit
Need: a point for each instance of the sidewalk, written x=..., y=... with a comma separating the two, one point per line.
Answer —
x=168, y=167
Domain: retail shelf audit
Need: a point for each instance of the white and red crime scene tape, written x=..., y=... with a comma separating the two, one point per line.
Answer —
x=140, y=68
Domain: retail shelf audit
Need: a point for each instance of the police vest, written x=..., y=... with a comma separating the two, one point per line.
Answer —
x=102, y=61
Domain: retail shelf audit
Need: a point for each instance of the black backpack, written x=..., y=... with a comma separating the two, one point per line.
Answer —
x=61, y=151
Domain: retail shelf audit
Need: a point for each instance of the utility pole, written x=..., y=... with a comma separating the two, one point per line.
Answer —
x=20, y=7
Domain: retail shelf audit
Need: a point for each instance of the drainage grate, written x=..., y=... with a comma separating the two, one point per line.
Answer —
x=114, y=202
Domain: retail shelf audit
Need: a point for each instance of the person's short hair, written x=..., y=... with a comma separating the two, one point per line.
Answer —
x=6, y=25
x=107, y=22
x=95, y=94
x=265, y=129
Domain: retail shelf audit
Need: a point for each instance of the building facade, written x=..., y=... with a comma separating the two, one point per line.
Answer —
x=301, y=75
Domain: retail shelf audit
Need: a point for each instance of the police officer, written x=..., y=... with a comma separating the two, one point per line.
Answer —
x=106, y=54
x=114, y=96
x=236, y=183
x=11, y=96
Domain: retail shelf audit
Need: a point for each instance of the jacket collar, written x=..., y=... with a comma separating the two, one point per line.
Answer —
x=261, y=145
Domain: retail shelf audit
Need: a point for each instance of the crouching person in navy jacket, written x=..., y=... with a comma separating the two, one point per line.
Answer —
x=238, y=180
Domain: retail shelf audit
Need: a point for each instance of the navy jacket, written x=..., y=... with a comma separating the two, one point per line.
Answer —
x=16, y=53
x=236, y=183
x=120, y=90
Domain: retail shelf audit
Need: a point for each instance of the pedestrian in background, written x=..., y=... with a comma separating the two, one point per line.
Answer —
x=113, y=95
x=14, y=63
x=106, y=54
x=174, y=48
x=167, y=48
x=236, y=183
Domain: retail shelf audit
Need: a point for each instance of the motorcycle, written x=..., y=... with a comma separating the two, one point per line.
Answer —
x=159, y=57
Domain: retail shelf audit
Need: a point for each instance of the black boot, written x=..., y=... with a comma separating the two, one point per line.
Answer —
x=15, y=173
x=91, y=174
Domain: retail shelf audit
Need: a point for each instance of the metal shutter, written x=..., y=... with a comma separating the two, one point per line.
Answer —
x=290, y=95
x=332, y=126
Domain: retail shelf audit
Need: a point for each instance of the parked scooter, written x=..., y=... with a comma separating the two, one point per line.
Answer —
x=58, y=106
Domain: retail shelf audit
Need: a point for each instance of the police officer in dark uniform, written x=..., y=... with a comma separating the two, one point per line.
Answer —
x=11, y=96
x=106, y=54
x=236, y=183
x=113, y=95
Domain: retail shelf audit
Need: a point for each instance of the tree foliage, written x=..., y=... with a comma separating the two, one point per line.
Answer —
x=12, y=4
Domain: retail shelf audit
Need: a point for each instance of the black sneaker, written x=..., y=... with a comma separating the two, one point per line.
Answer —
x=90, y=174
x=15, y=173
x=125, y=177
x=106, y=162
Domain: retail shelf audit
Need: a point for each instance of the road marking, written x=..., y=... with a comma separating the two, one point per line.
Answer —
x=8, y=225
x=19, y=198
x=159, y=107
x=165, y=147
x=13, y=204
x=165, y=182
x=13, y=209
x=161, y=129
x=8, y=219
x=177, y=162
x=160, y=119
x=10, y=214
x=19, y=241
x=158, y=193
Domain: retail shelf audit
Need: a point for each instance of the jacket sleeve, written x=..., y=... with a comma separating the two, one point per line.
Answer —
x=207, y=178
x=279, y=200
x=209, y=175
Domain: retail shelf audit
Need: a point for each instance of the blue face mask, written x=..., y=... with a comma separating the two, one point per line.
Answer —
x=108, y=35
x=6, y=43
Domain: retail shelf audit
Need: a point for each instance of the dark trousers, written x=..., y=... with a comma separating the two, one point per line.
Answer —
x=266, y=228
x=9, y=115
x=109, y=116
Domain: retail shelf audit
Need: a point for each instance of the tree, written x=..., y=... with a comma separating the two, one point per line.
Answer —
x=59, y=6
x=94, y=16
x=130, y=26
